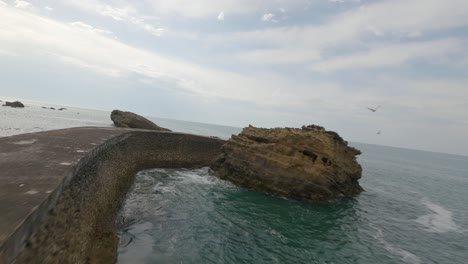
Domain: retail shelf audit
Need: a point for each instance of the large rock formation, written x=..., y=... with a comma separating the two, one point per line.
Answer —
x=131, y=120
x=16, y=104
x=309, y=163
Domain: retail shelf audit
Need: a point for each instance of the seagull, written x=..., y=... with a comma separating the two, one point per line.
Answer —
x=374, y=109
x=378, y=133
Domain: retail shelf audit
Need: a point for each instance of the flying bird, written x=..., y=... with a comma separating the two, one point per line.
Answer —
x=379, y=133
x=374, y=109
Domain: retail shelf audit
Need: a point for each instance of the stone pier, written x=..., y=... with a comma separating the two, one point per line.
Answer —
x=60, y=190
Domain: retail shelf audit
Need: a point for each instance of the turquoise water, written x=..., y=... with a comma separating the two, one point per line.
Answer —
x=415, y=210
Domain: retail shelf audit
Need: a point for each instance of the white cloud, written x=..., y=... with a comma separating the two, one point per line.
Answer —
x=268, y=17
x=83, y=26
x=93, y=67
x=3, y=3
x=352, y=28
x=221, y=16
x=390, y=55
x=279, y=56
x=22, y=4
x=78, y=45
x=210, y=8
x=125, y=14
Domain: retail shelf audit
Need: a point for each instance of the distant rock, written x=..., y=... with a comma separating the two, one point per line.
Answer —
x=63, y=108
x=131, y=120
x=16, y=104
x=51, y=108
x=302, y=163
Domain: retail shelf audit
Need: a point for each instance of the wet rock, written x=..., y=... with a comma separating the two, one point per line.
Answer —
x=302, y=163
x=16, y=104
x=61, y=109
x=131, y=120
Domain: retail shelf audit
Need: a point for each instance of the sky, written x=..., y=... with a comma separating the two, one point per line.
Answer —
x=238, y=62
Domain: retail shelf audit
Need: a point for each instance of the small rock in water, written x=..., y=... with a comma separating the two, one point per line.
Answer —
x=309, y=163
x=16, y=104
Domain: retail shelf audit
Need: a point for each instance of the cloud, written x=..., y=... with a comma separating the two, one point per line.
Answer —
x=350, y=29
x=209, y=8
x=221, y=16
x=390, y=55
x=48, y=8
x=268, y=17
x=3, y=3
x=83, y=64
x=279, y=56
x=83, y=26
x=125, y=14
x=22, y=4
x=78, y=44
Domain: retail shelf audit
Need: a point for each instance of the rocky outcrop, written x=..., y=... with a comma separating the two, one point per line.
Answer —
x=16, y=104
x=131, y=120
x=308, y=163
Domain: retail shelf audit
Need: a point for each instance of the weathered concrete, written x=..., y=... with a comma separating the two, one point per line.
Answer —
x=60, y=190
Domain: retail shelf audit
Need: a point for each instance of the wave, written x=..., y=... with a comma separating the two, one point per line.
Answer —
x=406, y=256
x=440, y=219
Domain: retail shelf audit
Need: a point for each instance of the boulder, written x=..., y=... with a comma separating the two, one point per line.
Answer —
x=307, y=163
x=16, y=104
x=131, y=120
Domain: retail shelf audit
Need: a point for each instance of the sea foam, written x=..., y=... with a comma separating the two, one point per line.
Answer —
x=406, y=256
x=440, y=219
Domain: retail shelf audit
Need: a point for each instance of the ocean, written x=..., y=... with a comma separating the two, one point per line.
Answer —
x=414, y=210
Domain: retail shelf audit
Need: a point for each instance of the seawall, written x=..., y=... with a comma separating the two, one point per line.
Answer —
x=60, y=190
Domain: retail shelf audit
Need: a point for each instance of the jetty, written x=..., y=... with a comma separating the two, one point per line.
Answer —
x=60, y=190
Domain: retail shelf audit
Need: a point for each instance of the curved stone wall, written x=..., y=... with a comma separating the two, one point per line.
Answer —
x=76, y=224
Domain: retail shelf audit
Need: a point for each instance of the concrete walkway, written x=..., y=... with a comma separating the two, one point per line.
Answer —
x=35, y=168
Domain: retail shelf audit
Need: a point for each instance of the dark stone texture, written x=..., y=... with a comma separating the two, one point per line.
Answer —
x=131, y=120
x=16, y=104
x=60, y=190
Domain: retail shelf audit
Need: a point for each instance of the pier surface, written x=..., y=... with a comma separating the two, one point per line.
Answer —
x=77, y=177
